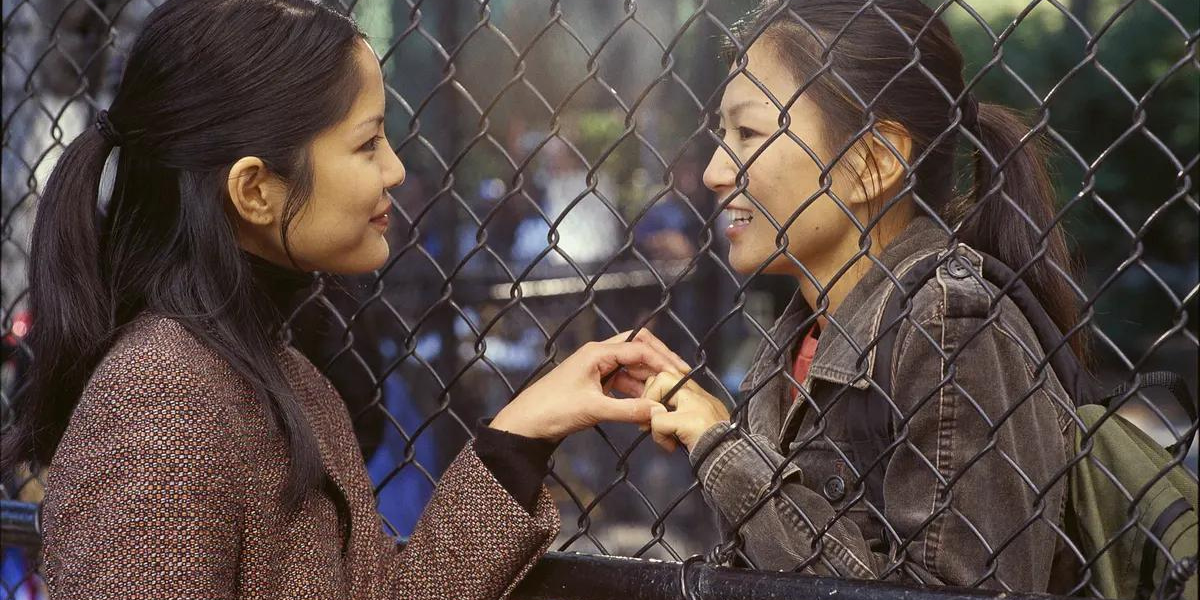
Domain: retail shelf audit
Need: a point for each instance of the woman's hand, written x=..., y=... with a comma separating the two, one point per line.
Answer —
x=695, y=411
x=572, y=396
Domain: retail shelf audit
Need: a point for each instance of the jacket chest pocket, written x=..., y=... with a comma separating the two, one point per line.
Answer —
x=827, y=470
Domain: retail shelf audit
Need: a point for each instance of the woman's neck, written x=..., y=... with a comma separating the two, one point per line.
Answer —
x=825, y=295
x=281, y=285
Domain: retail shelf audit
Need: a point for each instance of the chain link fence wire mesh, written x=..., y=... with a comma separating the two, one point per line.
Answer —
x=555, y=152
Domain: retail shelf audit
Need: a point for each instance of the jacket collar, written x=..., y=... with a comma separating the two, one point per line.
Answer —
x=844, y=353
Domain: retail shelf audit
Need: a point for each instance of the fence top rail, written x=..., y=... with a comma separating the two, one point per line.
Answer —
x=575, y=576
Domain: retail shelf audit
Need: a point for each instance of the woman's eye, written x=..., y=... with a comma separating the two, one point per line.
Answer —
x=743, y=133
x=746, y=133
x=372, y=144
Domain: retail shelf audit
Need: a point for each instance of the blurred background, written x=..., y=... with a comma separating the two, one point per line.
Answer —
x=554, y=154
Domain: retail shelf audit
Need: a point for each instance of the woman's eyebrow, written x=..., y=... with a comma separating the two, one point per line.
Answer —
x=740, y=107
x=375, y=121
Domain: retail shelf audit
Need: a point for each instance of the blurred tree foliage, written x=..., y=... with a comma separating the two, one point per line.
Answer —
x=1096, y=89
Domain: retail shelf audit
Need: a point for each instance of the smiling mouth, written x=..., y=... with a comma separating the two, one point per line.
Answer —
x=382, y=217
x=738, y=217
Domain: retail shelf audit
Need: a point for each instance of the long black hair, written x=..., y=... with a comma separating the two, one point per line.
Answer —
x=207, y=82
x=899, y=57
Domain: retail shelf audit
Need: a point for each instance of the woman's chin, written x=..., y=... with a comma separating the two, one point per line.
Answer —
x=372, y=257
x=376, y=259
x=743, y=262
x=755, y=263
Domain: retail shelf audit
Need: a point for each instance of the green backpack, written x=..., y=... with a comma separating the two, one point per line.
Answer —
x=1128, y=563
x=1131, y=506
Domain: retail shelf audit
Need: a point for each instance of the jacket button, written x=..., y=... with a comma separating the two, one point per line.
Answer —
x=835, y=488
x=957, y=268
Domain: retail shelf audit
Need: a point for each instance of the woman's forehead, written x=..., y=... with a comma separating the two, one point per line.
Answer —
x=369, y=99
x=751, y=88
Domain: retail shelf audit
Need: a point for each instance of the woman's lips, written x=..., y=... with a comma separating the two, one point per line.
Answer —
x=738, y=219
x=380, y=222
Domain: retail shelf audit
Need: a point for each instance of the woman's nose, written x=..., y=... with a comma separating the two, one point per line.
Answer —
x=394, y=173
x=721, y=171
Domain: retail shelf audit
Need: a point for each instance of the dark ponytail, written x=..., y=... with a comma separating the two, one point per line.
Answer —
x=1010, y=213
x=70, y=303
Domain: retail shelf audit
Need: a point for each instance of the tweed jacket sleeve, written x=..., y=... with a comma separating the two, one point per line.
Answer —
x=474, y=541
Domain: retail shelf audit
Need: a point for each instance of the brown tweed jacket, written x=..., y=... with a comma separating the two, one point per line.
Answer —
x=167, y=481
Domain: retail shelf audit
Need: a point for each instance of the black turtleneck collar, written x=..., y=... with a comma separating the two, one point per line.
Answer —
x=281, y=285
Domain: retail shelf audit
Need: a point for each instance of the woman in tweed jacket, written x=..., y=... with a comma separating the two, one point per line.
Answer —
x=192, y=453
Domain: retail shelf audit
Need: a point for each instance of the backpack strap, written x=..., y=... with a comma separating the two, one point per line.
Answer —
x=1077, y=381
x=1158, y=531
x=1172, y=382
x=872, y=435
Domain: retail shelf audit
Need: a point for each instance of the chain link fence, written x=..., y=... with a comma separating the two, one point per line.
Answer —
x=555, y=151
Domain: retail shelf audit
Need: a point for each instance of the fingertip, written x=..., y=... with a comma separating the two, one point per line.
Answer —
x=644, y=409
x=676, y=360
x=631, y=410
x=672, y=377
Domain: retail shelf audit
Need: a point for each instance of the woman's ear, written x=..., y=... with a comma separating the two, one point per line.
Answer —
x=253, y=193
x=885, y=154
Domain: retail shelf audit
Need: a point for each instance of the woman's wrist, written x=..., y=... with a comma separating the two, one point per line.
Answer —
x=507, y=421
x=697, y=433
x=517, y=462
x=708, y=441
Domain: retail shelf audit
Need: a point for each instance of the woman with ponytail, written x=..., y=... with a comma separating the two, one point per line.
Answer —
x=840, y=126
x=191, y=452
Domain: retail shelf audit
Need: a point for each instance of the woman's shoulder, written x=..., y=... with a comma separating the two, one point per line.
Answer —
x=156, y=371
x=961, y=290
x=159, y=350
x=151, y=438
